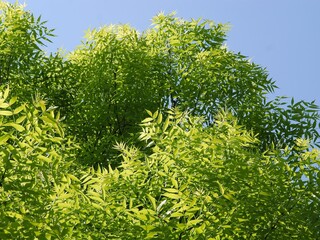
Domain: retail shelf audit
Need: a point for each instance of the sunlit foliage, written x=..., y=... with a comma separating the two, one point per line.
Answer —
x=164, y=134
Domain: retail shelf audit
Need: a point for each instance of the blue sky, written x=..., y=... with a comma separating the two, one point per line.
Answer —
x=281, y=35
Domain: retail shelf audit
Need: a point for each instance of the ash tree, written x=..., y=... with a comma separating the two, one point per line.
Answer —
x=164, y=134
x=176, y=63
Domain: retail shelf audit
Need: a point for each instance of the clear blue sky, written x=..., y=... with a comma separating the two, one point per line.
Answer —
x=281, y=35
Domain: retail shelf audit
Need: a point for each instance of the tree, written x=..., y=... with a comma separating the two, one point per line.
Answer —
x=35, y=169
x=194, y=182
x=24, y=65
x=211, y=158
x=176, y=63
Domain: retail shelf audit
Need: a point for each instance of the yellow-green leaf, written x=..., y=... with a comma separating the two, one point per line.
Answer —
x=13, y=100
x=16, y=126
x=151, y=235
x=6, y=113
x=171, y=195
x=264, y=193
x=48, y=120
x=42, y=105
x=176, y=214
x=174, y=182
x=166, y=124
x=226, y=226
x=73, y=177
x=155, y=114
x=243, y=220
x=98, y=199
x=14, y=215
x=149, y=119
x=193, y=222
x=43, y=158
x=4, y=105
x=6, y=93
x=221, y=188
x=19, y=109
x=148, y=228
x=65, y=205
x=20, y=119
x=97, y=206
x=229, y=197
x=159, y=120
x=171, y=190
x=141, y=216
x=149, y=113
x=4, y=138
x=153, y=201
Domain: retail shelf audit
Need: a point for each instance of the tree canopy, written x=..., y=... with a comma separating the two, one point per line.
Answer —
x=164, y=134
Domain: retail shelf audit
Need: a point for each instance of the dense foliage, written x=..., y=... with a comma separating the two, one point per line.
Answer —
x=120, y=73
x=164, y=134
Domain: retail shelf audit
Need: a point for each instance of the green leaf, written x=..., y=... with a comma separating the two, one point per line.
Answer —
x=141, y=216
x=20, y=119
x=177, y=215
x=97, y=206
x=74, y=178
x=6, y=113
x=193, y=222
x=14, y=215
x=229, y=197
x=16, y=126
x=166, y=124
x=146, y=120
x=13, y=100
x=6, y=93
x=4, y=138
x=172, y=196
x=149, y=113
x=242, y=220
x=221, y=188
x=19, y=109
x=174, y=42
x=264, y=193
x=171, y=190
x=226, y=226
x=43, y=158
x=174, y=182
x=159, y=120
x=155, y=114
x=49, y=120
x=153, y=201
x=4, y=105
x=152, y=235
x=95, y=198
x=65, y=205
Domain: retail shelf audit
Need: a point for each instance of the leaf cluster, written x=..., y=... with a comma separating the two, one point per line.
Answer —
x=211, y=158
